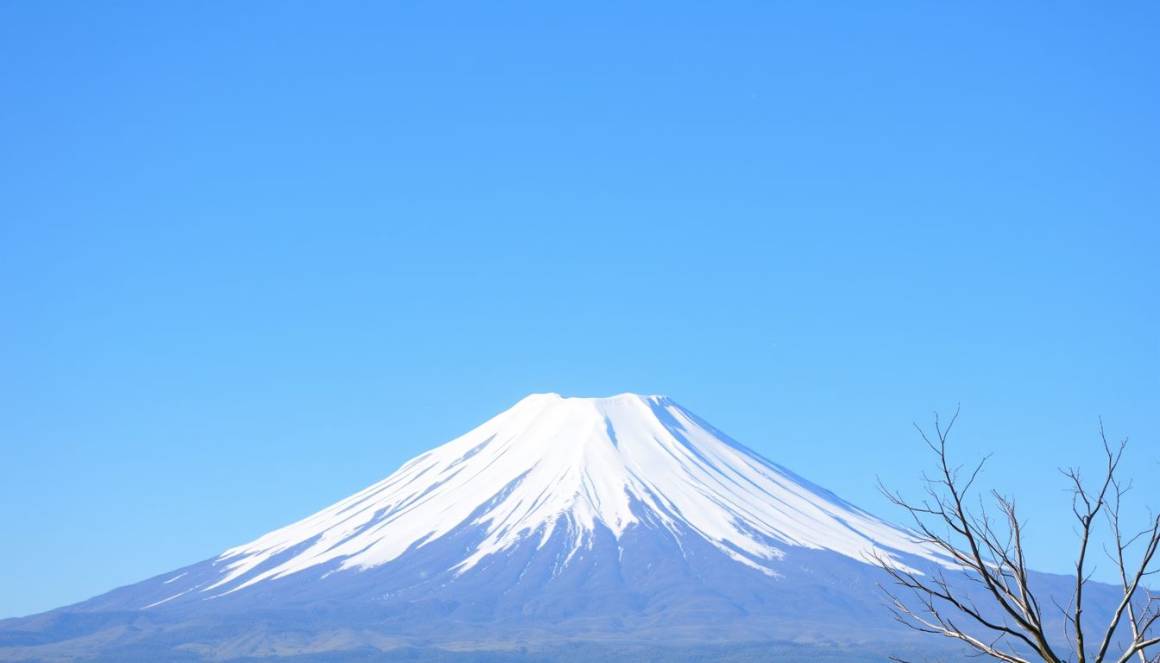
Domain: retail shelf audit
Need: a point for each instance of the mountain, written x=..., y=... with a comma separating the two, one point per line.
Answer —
x=560, y=474
x=612, y=523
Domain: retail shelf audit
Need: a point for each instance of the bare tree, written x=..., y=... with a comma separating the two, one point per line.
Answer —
x=986, y=541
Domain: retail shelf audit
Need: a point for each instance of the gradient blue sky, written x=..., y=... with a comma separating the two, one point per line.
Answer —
x=253, y=256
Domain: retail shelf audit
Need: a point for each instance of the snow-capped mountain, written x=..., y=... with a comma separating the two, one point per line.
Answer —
x=627, y=517
x=572, y=464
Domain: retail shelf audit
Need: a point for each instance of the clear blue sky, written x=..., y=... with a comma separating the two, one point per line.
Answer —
x=255, y=255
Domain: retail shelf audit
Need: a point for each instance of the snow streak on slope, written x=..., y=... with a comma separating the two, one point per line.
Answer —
x=552, y=462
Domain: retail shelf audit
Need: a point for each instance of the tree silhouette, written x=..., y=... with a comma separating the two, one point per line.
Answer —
x=986, y=541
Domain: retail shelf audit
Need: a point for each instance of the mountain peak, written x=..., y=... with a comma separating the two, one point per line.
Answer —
x=625, y=396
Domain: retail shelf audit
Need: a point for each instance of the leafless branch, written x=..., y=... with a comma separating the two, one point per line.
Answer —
x=986, y=544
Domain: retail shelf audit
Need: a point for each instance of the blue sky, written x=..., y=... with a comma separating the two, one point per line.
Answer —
x=255, y=255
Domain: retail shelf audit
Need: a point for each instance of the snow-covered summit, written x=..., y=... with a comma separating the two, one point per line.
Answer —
x=553, y=464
